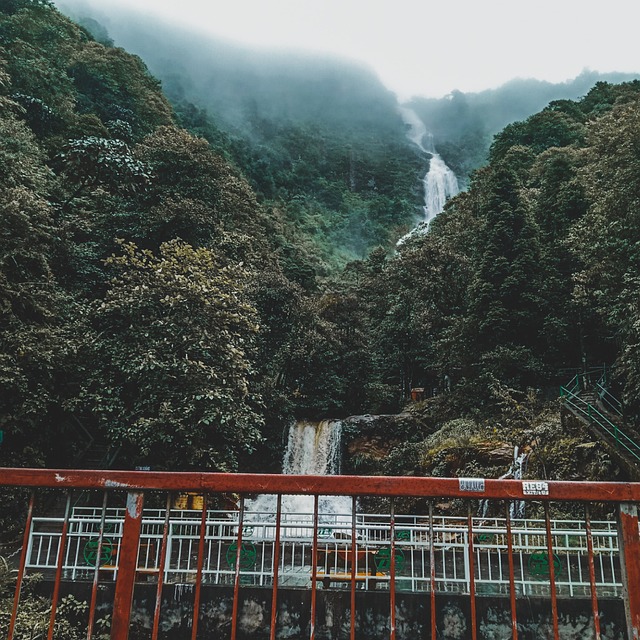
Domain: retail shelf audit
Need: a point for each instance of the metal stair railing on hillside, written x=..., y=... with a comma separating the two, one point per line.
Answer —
x=608, y=400
x=586, y=410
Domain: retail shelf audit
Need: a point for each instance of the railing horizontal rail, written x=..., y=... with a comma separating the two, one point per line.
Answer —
x=383, y=486
x=231, y=548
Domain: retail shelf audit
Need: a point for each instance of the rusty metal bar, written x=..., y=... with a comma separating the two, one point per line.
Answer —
x=59, y=563
x=392, y=571
x=200, y=565
x=354, y=567
x=276, y=572
x=512, y=578
x=629, y=541
x=592, y=573
x=21, y=566
x=432, y=574
x=96, y=573
x=401, y=486
x=552, y=573
x=127, y=566
x=314, y=569
x=472, y=574
x=236, y=579
x=161, y=567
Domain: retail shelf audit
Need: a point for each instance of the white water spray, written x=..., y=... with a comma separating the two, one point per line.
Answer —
x=440, y=183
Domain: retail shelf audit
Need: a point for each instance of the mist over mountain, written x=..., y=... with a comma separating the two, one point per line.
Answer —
x=463, y=124
x=244, y=89
x=238, y=84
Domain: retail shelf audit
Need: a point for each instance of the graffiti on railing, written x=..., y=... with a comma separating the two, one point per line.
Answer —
x=539, y=565
x=383, y=559
x=248, y=555
x=90, y=552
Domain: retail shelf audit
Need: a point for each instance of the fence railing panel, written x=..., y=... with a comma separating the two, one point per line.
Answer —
x=431, y=553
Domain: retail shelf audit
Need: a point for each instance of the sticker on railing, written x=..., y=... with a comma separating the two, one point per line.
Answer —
x=471, y=484
x=535, y=488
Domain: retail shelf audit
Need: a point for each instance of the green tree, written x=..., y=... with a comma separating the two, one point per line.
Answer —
x=173, y=379
x=505, y=311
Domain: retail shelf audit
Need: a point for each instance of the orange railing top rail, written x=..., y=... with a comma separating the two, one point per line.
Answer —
x=397, y=486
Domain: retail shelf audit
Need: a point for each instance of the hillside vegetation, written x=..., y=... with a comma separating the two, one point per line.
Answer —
x=317, y=137
x=161, y=287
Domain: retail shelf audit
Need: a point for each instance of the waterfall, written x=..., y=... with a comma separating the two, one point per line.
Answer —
x=440, y=183
x=313, y=448
x=517, y=469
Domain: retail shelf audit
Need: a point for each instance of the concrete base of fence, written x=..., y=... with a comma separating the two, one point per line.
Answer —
x=372, y=614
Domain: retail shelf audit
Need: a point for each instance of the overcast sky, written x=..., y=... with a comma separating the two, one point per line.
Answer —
x=427, y=47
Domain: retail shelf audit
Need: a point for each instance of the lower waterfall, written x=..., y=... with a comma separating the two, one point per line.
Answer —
x=313, y=448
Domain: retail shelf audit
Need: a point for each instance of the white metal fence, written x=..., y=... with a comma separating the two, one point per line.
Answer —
x=413, y=549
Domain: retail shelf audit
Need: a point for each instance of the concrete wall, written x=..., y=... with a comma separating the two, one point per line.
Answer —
x=372, y=614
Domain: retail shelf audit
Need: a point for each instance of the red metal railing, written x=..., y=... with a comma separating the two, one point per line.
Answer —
x=624, y=497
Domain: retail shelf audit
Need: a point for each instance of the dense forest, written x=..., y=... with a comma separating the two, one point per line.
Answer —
x=168, y=286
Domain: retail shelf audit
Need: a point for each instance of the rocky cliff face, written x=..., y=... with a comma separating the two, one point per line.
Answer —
x=418, y=442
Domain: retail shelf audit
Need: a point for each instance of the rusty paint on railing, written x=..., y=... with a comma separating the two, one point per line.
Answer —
x=629, y=541
x=592, y=574
x=512, y=577
x=127, y=566
x=136, y=483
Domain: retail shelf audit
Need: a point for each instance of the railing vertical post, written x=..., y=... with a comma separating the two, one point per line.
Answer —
x=552, y=573
x=314, y=569
x=161, y=569
x=200, y=565
x=236, y=580
x=472, y=573
x=592, y=573
x=392, y=572
x=96, y=573
x=354, y=568
x=23, y=562
x=512, y=579
x=59, y=564
x=276, y=570
x=432, y=573
x=127, y=565
x=629, y=541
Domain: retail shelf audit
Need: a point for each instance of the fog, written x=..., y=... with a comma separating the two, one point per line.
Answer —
x=238, y=84
x=421, y=48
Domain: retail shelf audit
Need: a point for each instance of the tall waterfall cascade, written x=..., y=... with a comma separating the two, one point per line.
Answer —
x=440, y=183
x=313, y=448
